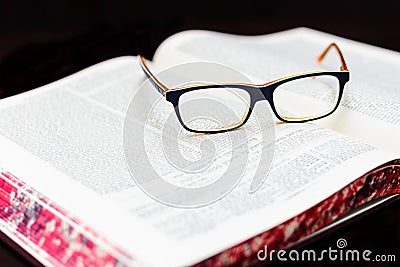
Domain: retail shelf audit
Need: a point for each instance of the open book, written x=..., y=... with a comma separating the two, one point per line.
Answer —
x=68, y=198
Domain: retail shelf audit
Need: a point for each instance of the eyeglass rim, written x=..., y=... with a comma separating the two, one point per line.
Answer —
x=170, y=93
x=259, y=93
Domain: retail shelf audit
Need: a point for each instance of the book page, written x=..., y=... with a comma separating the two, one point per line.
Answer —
x=65, y=139
x=370, y=107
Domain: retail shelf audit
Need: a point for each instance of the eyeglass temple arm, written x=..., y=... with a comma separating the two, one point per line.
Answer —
x=161, y=88
x=342, y=61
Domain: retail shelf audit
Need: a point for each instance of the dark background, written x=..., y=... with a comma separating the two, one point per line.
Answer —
x=42, y=41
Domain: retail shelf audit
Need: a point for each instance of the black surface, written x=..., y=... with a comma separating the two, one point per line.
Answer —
x=12, y=254
x=42, y=41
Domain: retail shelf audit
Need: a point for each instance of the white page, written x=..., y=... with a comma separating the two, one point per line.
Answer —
x=370, y=107
x=81, y=197
x=75, y=127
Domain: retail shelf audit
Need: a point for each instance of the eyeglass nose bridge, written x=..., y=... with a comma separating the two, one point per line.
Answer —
x=262, y=93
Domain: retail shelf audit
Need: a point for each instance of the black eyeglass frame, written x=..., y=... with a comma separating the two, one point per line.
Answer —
x=256, y=92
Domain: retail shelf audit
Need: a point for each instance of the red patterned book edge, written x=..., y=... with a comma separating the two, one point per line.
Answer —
x=51, y=233
x=61, y=240
x=381, y=181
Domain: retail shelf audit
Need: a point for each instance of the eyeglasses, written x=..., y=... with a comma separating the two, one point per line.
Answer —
x=221, y=107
